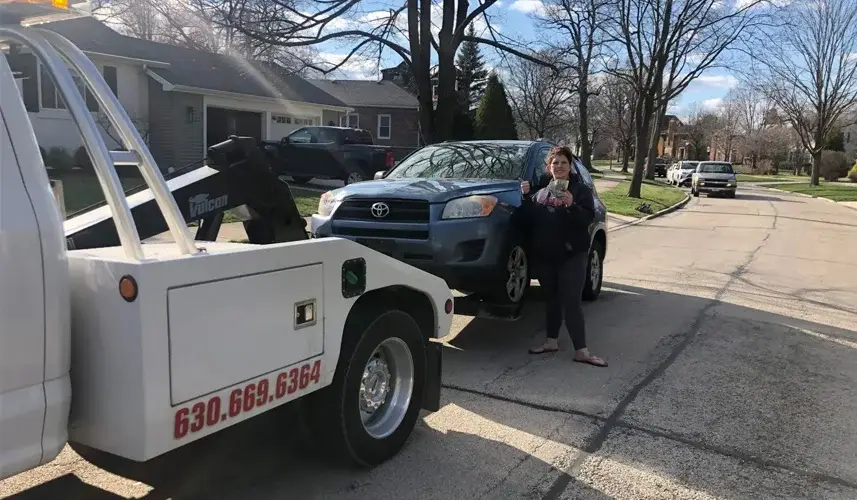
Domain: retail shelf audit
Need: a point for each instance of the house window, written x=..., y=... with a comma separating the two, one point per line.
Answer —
x=384, y=127
x=51, y=98
x=350, y=121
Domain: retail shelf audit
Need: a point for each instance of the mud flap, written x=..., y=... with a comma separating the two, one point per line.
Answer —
x=434, y=355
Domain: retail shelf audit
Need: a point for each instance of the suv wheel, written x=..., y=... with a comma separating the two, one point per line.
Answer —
x=594, y=272
x=514, y=276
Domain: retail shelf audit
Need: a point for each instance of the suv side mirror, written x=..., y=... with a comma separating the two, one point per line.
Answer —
x=380, y=174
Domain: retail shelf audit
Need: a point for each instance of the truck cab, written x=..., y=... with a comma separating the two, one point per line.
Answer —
x=135, y=349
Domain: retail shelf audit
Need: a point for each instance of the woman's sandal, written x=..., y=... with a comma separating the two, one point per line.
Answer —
x=542, y=350
x=591, y=360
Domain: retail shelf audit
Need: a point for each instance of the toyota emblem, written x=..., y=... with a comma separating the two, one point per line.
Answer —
x=380, y=210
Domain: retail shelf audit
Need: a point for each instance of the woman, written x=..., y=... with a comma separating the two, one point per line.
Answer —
x=559, y=220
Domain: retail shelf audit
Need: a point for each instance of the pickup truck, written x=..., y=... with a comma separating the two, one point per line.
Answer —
x=328, y=153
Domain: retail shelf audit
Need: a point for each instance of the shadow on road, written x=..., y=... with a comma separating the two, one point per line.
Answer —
x=691, y=381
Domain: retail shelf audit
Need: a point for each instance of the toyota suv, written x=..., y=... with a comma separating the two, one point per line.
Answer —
x=452, y=209
x=714, y=177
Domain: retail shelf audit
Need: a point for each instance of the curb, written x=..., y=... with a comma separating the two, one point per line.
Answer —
x=655, y=215
x=810, y=196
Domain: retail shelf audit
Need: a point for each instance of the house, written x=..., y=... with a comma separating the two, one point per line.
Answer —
x=671, y=143
x=402, y=76
x=388, y=111
x=182, y=100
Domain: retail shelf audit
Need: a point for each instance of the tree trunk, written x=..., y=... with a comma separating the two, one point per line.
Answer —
x=816, y=168
x=626, y=155
x=641, y=144
x=660, y=112
x=583, y=126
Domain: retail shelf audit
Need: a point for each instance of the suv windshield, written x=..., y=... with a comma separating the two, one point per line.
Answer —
x=689, y=165
x=464, y=161
x=715, y=168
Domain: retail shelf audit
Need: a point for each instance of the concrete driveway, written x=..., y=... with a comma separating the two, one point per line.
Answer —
x=729, y=328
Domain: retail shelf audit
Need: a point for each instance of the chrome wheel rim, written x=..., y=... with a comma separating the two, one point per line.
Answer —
x=517, y=269
x=354, y=177
x=386, y=388
x=595, y=269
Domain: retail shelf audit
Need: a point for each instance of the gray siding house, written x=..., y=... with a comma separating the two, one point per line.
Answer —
x=182, y=100
x=389, y=112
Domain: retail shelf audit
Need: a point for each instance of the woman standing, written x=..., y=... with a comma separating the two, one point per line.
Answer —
x=558, y=217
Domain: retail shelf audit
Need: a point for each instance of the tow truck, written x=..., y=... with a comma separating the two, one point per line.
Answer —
x=136, y=349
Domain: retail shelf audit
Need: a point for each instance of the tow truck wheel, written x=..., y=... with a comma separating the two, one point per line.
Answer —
x=372, y=406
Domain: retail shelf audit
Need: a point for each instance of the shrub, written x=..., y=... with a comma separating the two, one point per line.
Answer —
x=81, y=159
x=59, y=159
x=852, y=175
x=834, y=164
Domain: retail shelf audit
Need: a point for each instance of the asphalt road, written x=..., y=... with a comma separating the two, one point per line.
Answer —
x=729, y=328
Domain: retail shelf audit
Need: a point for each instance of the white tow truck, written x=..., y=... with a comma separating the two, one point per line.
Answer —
x=138, y=349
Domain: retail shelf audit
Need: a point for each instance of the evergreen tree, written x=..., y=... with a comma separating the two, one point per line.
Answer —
x=835, y=141
x=472, y=72
x=494, y=118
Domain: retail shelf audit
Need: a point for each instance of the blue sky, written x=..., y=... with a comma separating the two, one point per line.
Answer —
x=512, y=18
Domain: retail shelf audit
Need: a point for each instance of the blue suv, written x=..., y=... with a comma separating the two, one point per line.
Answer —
x=451, y=209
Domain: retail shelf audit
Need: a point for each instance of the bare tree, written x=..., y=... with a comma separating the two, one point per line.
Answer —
x=808, y=68
x=700, y=127
x=539, y=96
x=617, y=100
x=728, y=114
x=579, y=24
x=661, y=46
x=417, y=31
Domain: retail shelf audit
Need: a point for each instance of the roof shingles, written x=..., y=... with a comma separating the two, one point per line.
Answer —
x=195, y=68
x=367, y=93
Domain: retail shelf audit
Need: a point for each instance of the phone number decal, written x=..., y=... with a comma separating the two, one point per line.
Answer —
x=203, y=414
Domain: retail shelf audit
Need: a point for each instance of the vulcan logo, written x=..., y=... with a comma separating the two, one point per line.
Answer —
x=200, y=204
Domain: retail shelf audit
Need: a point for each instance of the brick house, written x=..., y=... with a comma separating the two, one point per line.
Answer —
x=385, y=109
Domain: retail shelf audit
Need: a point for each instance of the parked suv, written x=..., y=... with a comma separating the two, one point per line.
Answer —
x=451, y=209
x=681, y=172
x=660, y=167
x=714, y=177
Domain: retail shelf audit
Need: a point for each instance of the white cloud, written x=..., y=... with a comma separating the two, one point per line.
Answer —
x=528, y=6
x=357, y=67
x=712, y=104
x=719, y=81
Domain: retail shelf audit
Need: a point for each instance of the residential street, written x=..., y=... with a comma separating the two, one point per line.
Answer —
x=729, y=329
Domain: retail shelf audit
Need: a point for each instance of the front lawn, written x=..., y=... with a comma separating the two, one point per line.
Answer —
x=836, y=191
x=659, y=196
x=770, y=178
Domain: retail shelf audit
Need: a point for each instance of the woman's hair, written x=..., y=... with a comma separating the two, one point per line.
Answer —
x=560, y=150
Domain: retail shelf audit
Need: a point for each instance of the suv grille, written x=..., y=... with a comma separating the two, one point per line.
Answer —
x=400, y=210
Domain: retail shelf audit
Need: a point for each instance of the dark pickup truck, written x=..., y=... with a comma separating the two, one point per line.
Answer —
x=328, y=153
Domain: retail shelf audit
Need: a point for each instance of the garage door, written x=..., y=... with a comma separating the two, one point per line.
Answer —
x=221, y=123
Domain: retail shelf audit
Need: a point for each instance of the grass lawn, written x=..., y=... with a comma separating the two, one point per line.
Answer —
x=659, y=196
x=770, y=178
x=836, y=191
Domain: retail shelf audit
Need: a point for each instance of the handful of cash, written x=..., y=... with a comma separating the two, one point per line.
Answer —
x=557, y=187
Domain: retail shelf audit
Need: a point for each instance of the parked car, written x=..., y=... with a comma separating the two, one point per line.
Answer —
x=682, y=172
x=328, y=153
x=714, y=177
x=452, y=209
x=660, y=167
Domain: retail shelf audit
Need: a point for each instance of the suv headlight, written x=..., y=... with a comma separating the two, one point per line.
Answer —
x=327, y=204
x=470, y=206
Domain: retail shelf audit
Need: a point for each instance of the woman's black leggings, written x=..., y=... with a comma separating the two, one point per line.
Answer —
x=562, y=285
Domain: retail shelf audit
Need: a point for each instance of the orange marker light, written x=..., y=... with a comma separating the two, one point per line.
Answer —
x=128, y=288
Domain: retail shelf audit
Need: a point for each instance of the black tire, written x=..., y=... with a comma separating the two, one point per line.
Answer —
x=498, y=292
x=592, y=289
x=334, y=412
x=694, y=192
x=301, y=179
x=353, y=173
x=730, y=194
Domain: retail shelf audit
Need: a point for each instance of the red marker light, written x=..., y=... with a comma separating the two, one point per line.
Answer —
x=448, y=306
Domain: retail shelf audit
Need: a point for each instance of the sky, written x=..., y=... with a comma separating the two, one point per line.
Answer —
x=513, y=19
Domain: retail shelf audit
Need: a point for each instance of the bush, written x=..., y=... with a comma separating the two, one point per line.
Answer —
x=81, y=159
x=834, y=164
x=59, y=159
x=852, y=175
